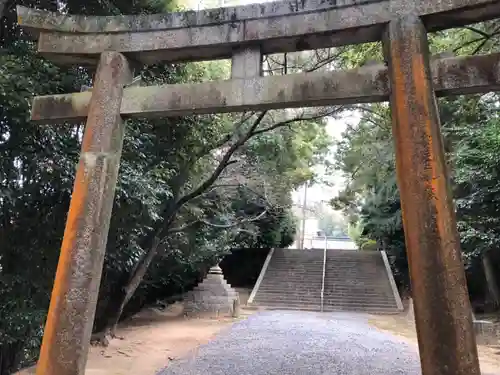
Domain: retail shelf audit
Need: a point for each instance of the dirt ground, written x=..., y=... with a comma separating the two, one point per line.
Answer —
x=399, y=325
x=152, y=339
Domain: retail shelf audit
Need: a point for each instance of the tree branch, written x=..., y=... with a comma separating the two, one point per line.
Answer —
x=225, y=161
x=293, y=120
x=220, y=226
x=221, y=142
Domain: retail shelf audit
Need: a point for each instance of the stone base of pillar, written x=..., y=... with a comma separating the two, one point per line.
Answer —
x=213, y=297
x=486, y=331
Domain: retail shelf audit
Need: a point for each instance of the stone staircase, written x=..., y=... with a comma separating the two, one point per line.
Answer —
x=352, y=281
x=292, y=281
x=357, y=281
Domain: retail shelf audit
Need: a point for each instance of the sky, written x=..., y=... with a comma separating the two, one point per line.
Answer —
x=335, y=127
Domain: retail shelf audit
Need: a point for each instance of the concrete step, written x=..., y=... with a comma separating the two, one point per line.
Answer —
x=297, y=259
x=346, y=292
x=342, y=268
x=359, y=297
x=284, y=271
x=352, y=263
x=295, y=283
x=358, y=306
x=290, y=302
x=294, y=275
x=370, y=310
x=298, y=262
x=289, y=280
x=359, y=286
x=297, y=289
x=291, y=307
x=289, y=289
x=360, y=271
x=385, y=293
x=294, y=267
x=357, y=281
x=358, y=300
x=280, y=296
x=353, y=267
x=350, y=277
x=356, y=285
x=352, y=256
x=299, y=277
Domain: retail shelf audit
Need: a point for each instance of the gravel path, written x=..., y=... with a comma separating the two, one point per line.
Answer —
x=300, y=343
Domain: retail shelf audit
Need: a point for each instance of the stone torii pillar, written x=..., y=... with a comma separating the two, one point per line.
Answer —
x=71, y=313
x=443, y=316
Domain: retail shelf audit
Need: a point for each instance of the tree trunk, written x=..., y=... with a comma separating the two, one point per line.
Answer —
x=2, y=7
x=491, y=280
x=10, y=356
x=133, y=283
x=140, y=269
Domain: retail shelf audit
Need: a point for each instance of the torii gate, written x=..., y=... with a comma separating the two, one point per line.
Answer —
x=411, y=82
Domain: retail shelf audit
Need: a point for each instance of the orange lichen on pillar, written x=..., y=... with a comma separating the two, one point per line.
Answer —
x=74, y=296
x=442, y=308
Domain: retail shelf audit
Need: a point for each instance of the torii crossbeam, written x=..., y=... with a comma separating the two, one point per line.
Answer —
x=410, y=81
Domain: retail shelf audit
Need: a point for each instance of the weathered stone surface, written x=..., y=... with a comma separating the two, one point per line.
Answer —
x=74, y=297
x=277, y=27
x=214, y=296
x=246, y=63
x=410, y=314
x=442, y=309
x=486, y=332
x=451, y=76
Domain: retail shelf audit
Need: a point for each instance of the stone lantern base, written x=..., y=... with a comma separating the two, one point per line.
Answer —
x=212, y=297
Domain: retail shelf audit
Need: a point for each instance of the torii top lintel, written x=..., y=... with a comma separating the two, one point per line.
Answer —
x=275, y=27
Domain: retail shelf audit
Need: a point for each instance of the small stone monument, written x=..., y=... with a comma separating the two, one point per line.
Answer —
x=410, y=314
x=213, y=297
x=486, y=331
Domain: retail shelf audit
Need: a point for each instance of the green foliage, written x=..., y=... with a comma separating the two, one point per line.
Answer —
x=471, y=130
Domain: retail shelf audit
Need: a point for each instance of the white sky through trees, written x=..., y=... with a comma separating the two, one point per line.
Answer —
x=335, y=127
